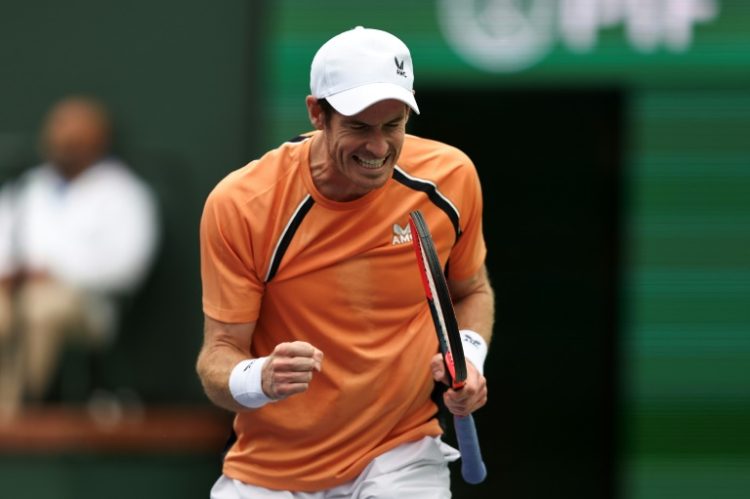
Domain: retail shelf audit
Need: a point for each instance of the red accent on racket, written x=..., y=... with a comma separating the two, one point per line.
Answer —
x=444, y=318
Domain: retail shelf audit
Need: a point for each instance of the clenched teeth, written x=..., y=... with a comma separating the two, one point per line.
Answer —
x=370, y=163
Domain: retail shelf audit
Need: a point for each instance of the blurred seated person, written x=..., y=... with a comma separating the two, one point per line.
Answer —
x=77, y=234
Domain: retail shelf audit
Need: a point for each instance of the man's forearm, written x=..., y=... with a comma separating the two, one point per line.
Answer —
x=476, y=311
x=214, y=367
x=474, y=304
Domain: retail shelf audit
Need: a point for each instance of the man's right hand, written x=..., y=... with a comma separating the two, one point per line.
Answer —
x=289, y=369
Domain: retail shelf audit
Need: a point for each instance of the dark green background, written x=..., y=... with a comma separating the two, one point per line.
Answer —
x=647, y=392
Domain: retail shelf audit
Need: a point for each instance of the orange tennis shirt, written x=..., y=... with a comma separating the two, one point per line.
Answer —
x=343, y=277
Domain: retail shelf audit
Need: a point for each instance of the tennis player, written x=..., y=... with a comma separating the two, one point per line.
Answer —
x=317, y=333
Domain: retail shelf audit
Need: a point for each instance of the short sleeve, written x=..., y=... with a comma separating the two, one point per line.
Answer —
x=468, y=254
x=232, y=290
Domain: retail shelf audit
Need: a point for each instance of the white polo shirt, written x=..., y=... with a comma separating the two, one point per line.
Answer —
x=97, y=232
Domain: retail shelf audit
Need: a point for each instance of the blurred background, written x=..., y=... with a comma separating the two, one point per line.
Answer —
x=613, y=142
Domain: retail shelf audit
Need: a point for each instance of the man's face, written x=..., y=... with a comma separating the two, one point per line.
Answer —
x=74, y=137
x=363, y=148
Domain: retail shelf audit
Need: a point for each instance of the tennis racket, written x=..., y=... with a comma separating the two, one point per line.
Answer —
x=441, y=308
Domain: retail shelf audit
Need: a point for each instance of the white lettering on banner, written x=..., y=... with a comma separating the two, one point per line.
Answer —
x=511, y=35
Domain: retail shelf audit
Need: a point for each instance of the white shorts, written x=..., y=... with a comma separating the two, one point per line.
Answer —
x=417, y=470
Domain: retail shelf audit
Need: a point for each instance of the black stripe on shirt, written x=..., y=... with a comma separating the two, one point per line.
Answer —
x=433, y=194
x=288, y=234
x=299, y=138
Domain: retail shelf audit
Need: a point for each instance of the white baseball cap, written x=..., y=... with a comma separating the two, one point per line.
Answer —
x=360, y=67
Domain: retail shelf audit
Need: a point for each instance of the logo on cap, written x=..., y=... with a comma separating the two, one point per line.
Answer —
x=400, y=67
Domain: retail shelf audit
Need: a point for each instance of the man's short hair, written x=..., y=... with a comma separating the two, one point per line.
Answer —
x=327, y=109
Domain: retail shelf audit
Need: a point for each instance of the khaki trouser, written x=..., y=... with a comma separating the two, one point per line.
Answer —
x=9, y=389
x=35, y=325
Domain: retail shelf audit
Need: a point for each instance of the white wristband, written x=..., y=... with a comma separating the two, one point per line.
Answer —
x=475, y=348
x=245, y=383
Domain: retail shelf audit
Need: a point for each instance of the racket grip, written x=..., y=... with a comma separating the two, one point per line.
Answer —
x=472, y=467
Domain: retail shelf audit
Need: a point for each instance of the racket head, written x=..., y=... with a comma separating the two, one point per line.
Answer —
x=439, y=300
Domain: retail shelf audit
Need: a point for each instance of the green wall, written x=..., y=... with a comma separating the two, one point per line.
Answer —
x=181, y=81
x=114, y=476
x=688, y=340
